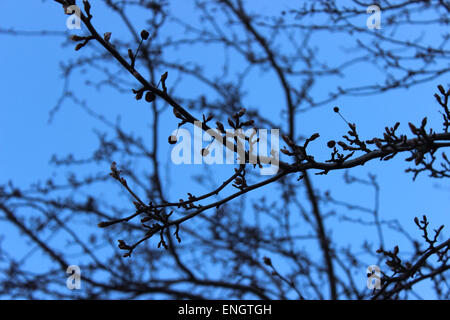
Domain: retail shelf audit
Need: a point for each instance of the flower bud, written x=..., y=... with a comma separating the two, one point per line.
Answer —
x=107, y=36
x=241, y=112
x=331, y=144
x=76, y=38
x=139, y=95
x=144, y=34
x=150, y=96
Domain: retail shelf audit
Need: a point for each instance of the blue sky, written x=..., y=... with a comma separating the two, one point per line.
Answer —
x=32, y=83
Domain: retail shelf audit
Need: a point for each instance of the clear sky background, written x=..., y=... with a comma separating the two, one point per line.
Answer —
x=32, y=82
